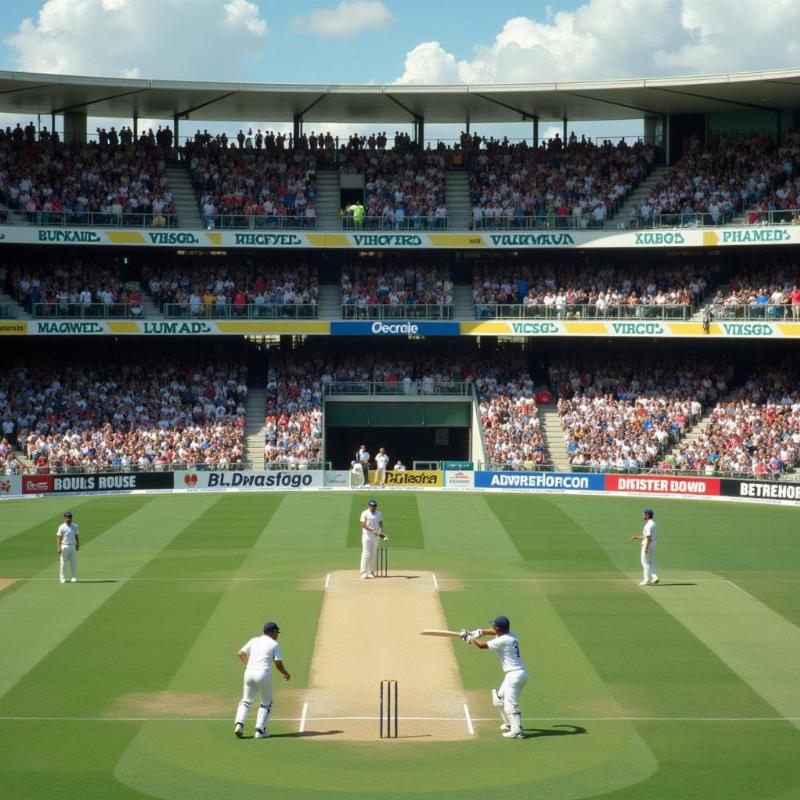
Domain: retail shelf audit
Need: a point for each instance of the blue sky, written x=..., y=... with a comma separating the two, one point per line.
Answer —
x=398, y=41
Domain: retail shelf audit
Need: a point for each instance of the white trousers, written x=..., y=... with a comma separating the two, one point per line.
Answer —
x=649, y=563
x=69, y=555
x=509, y=692
x=257, y=683
x=369, y=553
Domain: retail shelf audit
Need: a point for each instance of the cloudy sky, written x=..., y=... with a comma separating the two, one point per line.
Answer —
x=397, y=41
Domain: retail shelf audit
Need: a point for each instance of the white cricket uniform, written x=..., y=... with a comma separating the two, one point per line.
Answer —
x=363, y=457
x=370, y=541
x=514, y=679
x=648, y=553
x=381, y=461
x=69, y=550
x=261, y=652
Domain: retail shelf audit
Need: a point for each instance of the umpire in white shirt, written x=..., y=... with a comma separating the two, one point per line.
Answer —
x=67, y=545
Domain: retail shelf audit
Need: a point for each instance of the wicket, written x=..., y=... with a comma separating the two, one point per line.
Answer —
x=389, y=705
x=383, y=560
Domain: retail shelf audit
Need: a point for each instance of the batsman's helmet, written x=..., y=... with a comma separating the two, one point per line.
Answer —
x=648, y=512
x=372, y=503
x=501, y=623
x=68, y=514
x=271, y=627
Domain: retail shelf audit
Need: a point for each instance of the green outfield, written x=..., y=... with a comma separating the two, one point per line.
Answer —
x=124, y=685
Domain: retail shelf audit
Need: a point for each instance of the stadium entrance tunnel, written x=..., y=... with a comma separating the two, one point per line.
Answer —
x=405, y=444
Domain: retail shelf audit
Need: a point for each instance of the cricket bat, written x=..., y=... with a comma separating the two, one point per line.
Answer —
x=437, y=632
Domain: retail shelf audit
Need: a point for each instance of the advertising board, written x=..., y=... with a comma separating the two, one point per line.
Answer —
x=249, y=481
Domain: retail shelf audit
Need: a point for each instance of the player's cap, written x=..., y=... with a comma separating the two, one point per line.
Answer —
x=648, y=512
x=372, y=503
x=68, y=514
x=501, y=623
x=270, y=627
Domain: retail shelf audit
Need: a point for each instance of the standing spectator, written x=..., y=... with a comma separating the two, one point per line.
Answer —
x=258, y=655
x=381, y=462
x=363, y=457
x=67, y=545
x=399, y=466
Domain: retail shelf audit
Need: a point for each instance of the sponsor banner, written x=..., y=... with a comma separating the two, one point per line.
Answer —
x=735, y=236
x=249, y=481
x=10, y=486
x=459, y=479
x=338, y=478
x=172, y=327
x=400, y=327
x=412, y=477
x=13, y=328
x=663, y=484
x=541, y=481
x=761, y=490
x=631, y=328
x=99, y=482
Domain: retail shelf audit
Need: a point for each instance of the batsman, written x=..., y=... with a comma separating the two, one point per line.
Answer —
x=515, y=675
x=371, y=535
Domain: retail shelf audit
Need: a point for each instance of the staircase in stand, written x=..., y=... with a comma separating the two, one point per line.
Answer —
x=254, y=428
x=628, y=212
x=554, y=439
x=696, y=431
x=328, y=199
x=16, y=310
x=463, y=305
x=330, y=301
x=456, y=193
x=186, y=202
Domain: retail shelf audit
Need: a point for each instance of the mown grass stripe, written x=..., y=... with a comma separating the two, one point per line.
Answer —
x=40, y=615
x=295, y=524
x=401, y=519
x=20, y=516
x=452, y=525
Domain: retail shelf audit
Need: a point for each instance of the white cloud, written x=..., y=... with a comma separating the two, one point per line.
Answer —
x=348, y=19
x=141, y=38
x=606, y=39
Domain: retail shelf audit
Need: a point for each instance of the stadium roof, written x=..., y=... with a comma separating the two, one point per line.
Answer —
x=28, y=94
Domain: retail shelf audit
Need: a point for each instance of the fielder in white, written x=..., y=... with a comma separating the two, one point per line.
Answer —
x=515, y=675
x=648, y=539
x=68, y=543
x=259, y=654
x=371, y=535
x=381, y=462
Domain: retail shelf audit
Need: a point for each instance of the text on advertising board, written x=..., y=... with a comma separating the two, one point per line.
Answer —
x=662, y=484
x=412, y=477
x=541, y=481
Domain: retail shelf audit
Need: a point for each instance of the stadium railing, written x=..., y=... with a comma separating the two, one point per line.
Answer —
x=87, y=311
x=248, y=311
x=258, y=222
x=9, y=311
x=412, y=388
x=96, y=219
x=573, y=311
x=786, y=311
x=409, y=223
x=404, y=311
x=776, y=217
x=526, y=466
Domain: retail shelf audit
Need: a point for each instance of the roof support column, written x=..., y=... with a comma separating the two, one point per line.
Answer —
x=175, y=131
x=419, y=132
x=564, y=135
x=297, y=128
x=53, y=124
x=135, y=127
x=535, y=132
x=75, y=127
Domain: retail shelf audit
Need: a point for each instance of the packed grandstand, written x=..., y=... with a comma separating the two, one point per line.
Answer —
x=587, y=403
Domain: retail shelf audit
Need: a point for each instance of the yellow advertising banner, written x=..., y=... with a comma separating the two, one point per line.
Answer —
x=409, y=477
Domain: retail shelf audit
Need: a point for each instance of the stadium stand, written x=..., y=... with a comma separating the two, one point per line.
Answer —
x=137, y=414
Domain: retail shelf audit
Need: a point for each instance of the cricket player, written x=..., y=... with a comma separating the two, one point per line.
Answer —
x=381, y=462
x=259, y=655
x=371, y=535
x=363, y=457
x=68, y=543
x=648, y=540
x=515, y=675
